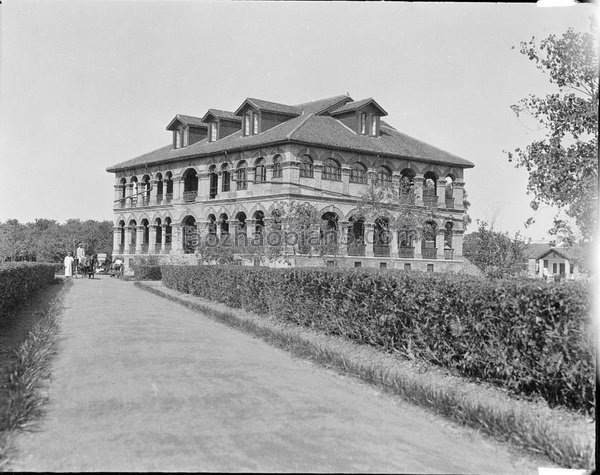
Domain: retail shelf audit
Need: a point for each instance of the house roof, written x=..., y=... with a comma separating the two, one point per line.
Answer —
x=355, y=105
x=312, y=129
x=219, y=114
x=533, y=250
x=269, y=107
x=539, y=251
x=186, y=120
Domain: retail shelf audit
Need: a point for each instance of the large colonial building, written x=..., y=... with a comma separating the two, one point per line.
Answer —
x=227, y=172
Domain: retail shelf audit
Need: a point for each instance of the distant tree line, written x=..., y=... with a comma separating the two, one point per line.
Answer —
x=46, y=240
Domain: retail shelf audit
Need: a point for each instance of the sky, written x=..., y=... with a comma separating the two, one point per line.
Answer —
x=88, y=84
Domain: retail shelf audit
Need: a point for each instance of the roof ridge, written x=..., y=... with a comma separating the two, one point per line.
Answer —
x=302, y=122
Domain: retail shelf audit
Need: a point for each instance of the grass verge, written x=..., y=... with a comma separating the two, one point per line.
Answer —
x=23, y=397
x=564, y=437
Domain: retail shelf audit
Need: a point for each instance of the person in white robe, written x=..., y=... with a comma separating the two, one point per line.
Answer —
x=69, y=265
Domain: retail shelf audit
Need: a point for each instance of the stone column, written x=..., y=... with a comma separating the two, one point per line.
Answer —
x=458, y=194
x=116, y=239
x=139, y=238
x=117, y=201
x=234, y=228
x=369, y=238
x=441, y=193
x=417, y=242
x=439, y=242
x=152, y=238
x=293, y=167
x=165, y=245
x=345, y=179
x=153, y=190
x=178, y=190
x=343, y=237
x=418, y=189
x=130, y=198
x=128, y=236
x=394, y=243
x=457, y=242
x=177, y=239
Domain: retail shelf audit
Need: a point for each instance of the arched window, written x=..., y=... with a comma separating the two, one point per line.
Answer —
x=212, y=224
x=306, y=167
x=429, y=189
x=158, y=179
x=145, y=189
x=122, y=191
x=448, y=235
x=190, y=185
x=332, y=170
x=133, y=236
x=384, y=176
x=358, y=173
x=224, y=224
x=133, y=183
x=259, y=223
x=168, y=233
x=241, y=176
x=190, y=235
x=242, y=229
x=356, y=236
x=381, y=237
x=277, y=171
x=169, y=191
x=213, y=182
x=122, y=236
x=260, y=171
x=428, y=248
x=225, y=178
x=450, y=191
x=158, y=239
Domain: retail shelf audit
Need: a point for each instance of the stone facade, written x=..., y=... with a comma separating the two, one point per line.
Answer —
x=229, y=186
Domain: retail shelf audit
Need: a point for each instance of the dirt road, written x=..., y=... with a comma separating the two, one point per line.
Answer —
x=143, y=384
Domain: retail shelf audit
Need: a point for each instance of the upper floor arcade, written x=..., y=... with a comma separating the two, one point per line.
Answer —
x=310, y=172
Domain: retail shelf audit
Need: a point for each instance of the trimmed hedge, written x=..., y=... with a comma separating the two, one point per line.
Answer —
x=146, y=272
x=530, y=337
x=19, y=279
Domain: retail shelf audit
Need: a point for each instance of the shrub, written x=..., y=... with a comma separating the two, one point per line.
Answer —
x=146, y=272
x=530, y=337
x=19, y=279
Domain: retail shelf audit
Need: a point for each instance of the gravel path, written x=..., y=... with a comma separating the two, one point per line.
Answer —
x=143, y=384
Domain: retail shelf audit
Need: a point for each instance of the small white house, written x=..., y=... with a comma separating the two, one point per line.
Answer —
x=551, y=262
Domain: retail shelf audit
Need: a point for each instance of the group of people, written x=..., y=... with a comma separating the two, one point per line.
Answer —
x=80, y=264
x=86, y=265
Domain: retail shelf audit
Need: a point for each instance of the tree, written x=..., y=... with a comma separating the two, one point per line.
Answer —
x=563, y=167
x=495, y=253
x=394, y=203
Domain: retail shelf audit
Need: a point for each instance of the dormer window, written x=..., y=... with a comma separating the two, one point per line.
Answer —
x=255, y=123
x=212, y=132
x=374, y=126
x=247, y=124
x=363, y=123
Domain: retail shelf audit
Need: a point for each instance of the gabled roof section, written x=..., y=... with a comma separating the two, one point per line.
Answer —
x=355, y=105
x=533, y=250
x=219, y=114
x=268, y=107
x=186, y=120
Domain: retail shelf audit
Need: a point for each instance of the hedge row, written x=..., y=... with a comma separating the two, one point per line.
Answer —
x=146, y=272
x=19, y=279
x=530, y=337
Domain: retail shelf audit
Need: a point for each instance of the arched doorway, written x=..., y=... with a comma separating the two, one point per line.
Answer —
x=381, y=237
x=190, y=235
x=356, y=236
